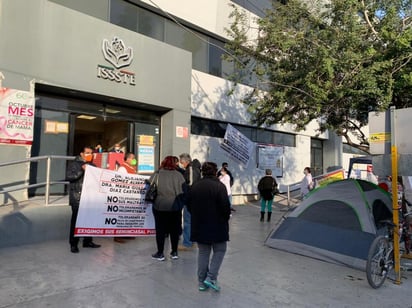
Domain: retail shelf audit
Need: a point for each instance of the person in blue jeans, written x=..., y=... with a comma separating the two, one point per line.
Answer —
x=191, y=172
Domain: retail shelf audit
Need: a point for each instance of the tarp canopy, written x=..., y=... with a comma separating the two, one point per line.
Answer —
x=335, y=223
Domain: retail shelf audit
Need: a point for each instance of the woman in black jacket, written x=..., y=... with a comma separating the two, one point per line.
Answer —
x=267, y=187
x=210, y=210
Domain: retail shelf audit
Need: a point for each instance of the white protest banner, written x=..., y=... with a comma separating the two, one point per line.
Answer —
x=16, y=116
x=112, y=204
x=237, y=145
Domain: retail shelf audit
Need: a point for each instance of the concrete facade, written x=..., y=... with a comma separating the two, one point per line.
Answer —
x=58, y=44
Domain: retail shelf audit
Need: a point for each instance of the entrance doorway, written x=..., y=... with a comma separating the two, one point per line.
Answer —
x=92, y=130
x=65, y=124
x=316, y=157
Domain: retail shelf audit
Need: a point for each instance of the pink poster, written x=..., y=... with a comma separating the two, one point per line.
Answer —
x=16, y=116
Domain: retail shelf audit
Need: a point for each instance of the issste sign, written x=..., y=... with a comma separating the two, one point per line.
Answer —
x=16, y=116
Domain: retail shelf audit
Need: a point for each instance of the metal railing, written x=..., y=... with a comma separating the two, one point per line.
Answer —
x=46, y=184
x=289, y=188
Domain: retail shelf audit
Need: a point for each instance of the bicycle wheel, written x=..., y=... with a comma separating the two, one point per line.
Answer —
x=377, y=265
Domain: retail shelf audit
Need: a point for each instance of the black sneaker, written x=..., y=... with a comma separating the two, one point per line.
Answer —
x=158, y=256
x=174, y=256
x=74, y=249
x=91, y=245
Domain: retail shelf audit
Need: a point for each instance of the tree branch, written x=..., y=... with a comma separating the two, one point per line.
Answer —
x=365, y=14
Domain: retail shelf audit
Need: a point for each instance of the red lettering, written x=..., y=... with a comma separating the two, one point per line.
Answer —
x=21, y=111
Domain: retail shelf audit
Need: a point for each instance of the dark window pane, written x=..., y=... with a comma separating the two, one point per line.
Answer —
x=256, y=6
x=151, y=25
x=196, y=44
x=285, y=139
x=218, y=66
x=124, y=14
x=209, y=128
x=217, y=129
x=265, y=136
x=247, y=131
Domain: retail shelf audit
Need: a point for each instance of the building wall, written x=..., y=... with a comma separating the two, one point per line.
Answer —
x=210, y=99
x=61, y=47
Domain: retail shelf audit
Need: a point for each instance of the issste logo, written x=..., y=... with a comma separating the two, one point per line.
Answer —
x=119, y=56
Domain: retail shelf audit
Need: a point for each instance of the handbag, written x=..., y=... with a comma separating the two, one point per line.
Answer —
x=151, y=192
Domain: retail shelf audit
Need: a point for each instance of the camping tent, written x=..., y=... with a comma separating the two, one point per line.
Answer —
x=335, y=223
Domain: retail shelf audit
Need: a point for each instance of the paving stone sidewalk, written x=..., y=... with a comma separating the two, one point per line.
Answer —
x=124, y=275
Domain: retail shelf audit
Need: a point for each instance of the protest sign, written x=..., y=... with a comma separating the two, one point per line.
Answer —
x=112, y=204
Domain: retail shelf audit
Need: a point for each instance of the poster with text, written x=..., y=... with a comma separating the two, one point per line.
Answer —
x=270, y=157
x=112, y=204
x=16, y=116
x=146, y=159
x=237, y=145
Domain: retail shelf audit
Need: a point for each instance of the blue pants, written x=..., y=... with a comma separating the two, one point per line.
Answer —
x=263, y=204
x=186, y=227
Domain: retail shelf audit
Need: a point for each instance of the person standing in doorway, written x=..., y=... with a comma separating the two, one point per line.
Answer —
x=191, y=172
x=75, y=175
x=210, y=212
x=267, y=187
x=117, y=148
x=307, y=182
x=127, y=167
x=98, y=148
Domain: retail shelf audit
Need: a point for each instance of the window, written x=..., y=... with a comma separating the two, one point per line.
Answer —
x=124, y=14
x=218, y=66
x=255, y=6
x=265, y=136
x=352, y=150
x=209, y=128
x=212, y=128
x=195, y=43
x=316, y=157
x=285, y=139
x=205, y=57
x=151, y=25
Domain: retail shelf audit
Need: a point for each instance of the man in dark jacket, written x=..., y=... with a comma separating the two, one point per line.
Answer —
x=191, y=172
x=210, y=211
x=75, y=175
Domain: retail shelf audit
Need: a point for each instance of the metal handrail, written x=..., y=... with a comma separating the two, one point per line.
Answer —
x=289, y=189
x=47, y=183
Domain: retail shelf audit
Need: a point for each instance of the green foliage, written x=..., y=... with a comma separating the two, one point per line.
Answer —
x=333, y=63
